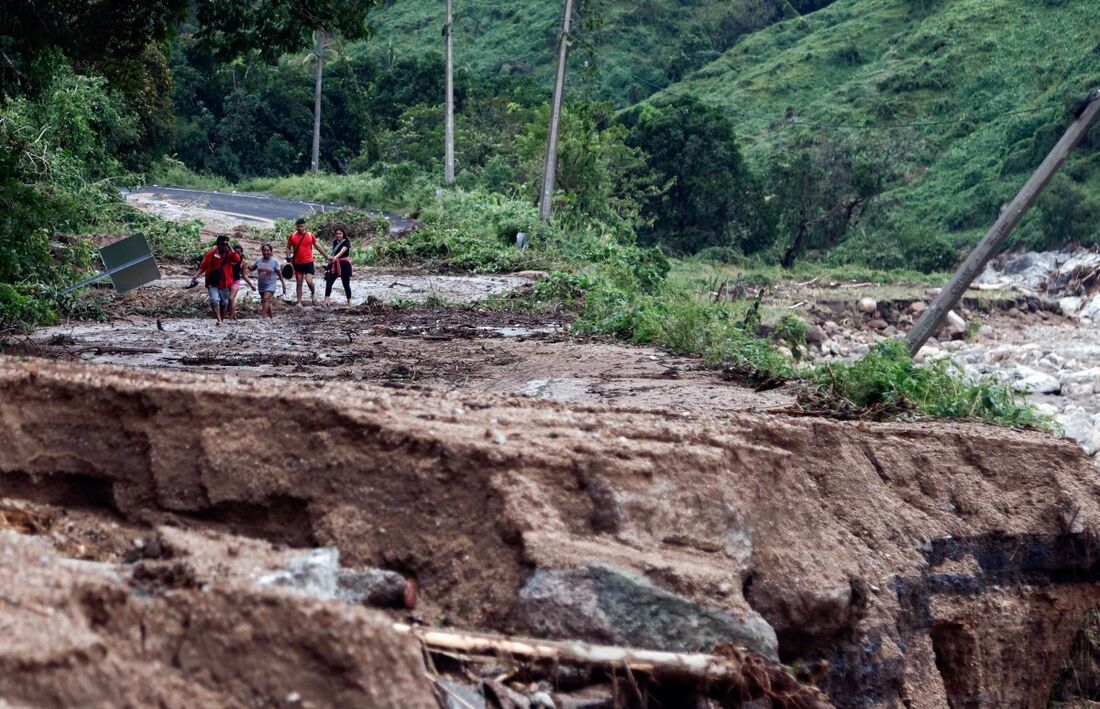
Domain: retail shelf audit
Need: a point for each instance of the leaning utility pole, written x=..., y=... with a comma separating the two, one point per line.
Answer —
x=449, y=139
x=320, y=60
x=555, y=117
x=1011, y=215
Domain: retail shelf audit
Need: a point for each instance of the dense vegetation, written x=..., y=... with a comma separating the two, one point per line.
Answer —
x=953, y=104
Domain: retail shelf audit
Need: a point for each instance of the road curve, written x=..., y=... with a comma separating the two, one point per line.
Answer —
x=262, y=206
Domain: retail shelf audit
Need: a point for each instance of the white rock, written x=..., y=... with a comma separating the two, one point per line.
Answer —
x=867, y=306
x=1035, y=382
x=1070, y=305
x=1052, y=361
x=1045, y=409
x=1090, y=376
x=1079, y=426
x=1078, y=389
x=1091, y=309
x=953, y=325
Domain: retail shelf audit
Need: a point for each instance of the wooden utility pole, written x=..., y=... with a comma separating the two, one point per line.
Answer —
x=547, y=200
x=449, y=138
x=315, y=156
x=1010, y=216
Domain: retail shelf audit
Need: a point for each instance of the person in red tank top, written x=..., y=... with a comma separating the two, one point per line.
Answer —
x=299, y=251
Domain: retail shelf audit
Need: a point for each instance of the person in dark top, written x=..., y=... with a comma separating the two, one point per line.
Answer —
x=339, y=265
x=239, y=274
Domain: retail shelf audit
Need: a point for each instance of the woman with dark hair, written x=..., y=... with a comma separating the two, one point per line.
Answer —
x=239, y=274
x=339, y=265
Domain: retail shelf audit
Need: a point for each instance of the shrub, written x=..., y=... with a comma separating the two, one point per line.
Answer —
x=886, y=382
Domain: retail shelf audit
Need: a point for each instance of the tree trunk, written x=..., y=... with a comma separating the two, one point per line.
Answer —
x=449, y=128
x=314, y=161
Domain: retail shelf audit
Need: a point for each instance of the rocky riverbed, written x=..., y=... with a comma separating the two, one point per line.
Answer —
x=1032, y=321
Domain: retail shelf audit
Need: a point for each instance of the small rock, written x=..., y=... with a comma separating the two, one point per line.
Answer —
x=454, y=695
x=1035, y=382
x=542, y=700
x=1052, y=361
x=1091, y=309
x=917, y=308
x=815, y=335
x=1090, y=376
x=954, y=327
x=1078, y=389
x=1079, y=426
x=867, y=306
x=373, y=587
x=878, y=324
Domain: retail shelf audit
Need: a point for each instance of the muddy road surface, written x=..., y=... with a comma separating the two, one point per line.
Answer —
x=448, y=348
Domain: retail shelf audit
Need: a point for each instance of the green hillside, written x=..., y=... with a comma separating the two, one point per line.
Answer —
x=973, y=92
x=639, y=46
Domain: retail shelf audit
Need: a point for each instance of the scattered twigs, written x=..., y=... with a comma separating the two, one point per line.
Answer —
x=730, y=674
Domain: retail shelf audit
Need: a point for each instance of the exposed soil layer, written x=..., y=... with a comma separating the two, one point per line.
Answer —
x=195, y=630
x=903, y=563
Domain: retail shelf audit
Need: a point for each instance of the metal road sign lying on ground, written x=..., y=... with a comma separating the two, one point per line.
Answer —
x=129, y=263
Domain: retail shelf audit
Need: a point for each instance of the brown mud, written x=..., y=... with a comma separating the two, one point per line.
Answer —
x=922, y=565
x=463, y=348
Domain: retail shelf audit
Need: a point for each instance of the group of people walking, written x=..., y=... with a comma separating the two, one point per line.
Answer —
x=224, y=269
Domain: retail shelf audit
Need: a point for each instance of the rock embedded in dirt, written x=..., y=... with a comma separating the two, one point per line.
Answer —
x=372, y=587
x=867, y=306
x=317, y=573
x=600, y=603
x=815, y=335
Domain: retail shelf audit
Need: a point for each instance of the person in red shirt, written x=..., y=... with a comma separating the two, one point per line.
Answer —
x=217, y=267
x=299, y=251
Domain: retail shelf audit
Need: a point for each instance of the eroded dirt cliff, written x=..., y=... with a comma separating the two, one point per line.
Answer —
x=896, y=564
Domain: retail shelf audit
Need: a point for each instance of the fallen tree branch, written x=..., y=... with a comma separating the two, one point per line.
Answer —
x=731, y=673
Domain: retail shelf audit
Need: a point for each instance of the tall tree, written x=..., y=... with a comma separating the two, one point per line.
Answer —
x=232, y=27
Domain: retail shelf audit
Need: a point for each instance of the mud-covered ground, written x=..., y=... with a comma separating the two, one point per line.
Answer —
x=445, y=347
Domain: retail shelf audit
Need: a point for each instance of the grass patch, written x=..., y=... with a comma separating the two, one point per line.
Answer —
x=172, y=173
x=886, y=383
x=398, y=188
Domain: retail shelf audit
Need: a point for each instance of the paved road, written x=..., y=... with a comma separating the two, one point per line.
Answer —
x=261, y=205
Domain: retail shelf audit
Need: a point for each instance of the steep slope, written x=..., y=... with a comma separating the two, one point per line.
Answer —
x=976, y=90
x=641, y=46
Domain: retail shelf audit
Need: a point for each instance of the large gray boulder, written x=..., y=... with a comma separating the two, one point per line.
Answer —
x=601, y=603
